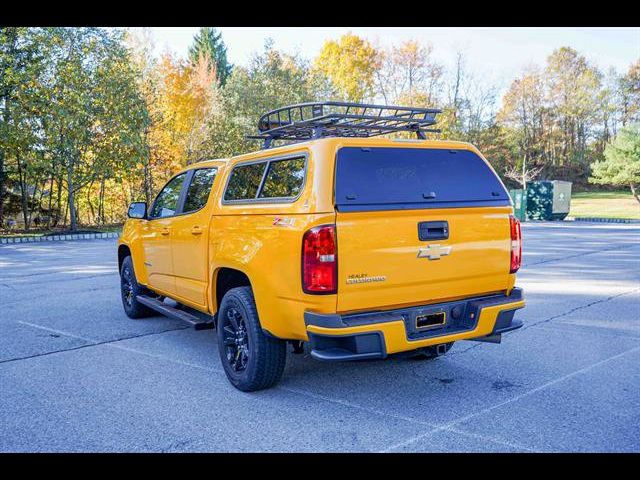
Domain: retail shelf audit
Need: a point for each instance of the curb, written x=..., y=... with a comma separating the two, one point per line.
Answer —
x=58, y=238
x=606, y=220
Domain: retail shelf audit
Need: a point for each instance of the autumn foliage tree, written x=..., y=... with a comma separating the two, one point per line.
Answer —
x=350, y=63
x=92, y=119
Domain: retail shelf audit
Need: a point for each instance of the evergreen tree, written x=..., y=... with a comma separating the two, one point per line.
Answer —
x=621, y=165
x=208, y=42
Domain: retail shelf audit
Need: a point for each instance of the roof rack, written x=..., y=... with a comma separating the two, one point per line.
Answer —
x=305, y=121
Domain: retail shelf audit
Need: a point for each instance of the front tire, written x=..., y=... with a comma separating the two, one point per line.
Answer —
x=130, y=289
x=251, y=359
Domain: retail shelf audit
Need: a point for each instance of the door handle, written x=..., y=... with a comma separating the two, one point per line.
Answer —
x=196, y=230
x=164, y=231
x=438, y=230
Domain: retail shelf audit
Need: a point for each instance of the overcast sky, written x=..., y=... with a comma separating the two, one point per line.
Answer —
x=499, y=53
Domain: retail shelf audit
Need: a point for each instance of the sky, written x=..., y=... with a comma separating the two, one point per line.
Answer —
x=497, y=53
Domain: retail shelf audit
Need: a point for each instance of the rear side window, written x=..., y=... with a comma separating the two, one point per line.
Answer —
x=413, y=178
x=245, y=181
x=199, y=188
x=284, y=178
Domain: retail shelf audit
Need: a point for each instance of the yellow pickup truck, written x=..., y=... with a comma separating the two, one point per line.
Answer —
x=360, y=245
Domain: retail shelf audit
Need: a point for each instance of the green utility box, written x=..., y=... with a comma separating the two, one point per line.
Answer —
x=548, y=200
x=519, y=199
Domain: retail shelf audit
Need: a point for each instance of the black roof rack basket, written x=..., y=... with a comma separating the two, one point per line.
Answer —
x=305, y=121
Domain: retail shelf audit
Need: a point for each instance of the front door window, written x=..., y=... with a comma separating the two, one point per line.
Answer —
x=166, y=203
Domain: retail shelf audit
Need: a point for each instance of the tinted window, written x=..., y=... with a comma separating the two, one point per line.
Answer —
x=404, y=178
x=284, y=178
x=199, y=188
x=166, y=202
x=245, y=181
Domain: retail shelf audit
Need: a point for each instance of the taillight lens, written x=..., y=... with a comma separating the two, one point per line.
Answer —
x=516, y=244
x=320, y=260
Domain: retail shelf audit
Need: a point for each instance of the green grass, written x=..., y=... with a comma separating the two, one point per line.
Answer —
x=618, y=204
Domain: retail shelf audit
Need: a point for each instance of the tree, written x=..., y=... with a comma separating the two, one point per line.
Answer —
x=408, y=75
x=622, y=161
x=573, y=86
x=208, y=43
x=523, y=113
x=522, y=175
x=630, y=94
x=189, y=96
x=148, y=78
x=90, y=120
x=94, y=115
x=117, y=143
x=350, y=64
x=19, y=64
x=271, y=80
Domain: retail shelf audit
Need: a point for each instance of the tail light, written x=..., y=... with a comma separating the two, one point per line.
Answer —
x=516, y=244
x=320, y=260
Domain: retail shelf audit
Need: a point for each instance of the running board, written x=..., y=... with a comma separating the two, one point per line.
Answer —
x=171, y=312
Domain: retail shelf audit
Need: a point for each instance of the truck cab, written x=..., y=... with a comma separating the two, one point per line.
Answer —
x=358, y=245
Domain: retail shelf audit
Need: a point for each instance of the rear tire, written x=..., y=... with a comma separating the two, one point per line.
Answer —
x=251, y=359
x=130, y=289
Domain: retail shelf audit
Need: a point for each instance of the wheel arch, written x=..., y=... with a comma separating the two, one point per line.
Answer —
x=123, y=252
x=224, y=279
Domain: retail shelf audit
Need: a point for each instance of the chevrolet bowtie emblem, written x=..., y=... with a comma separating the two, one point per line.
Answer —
x=434, y=252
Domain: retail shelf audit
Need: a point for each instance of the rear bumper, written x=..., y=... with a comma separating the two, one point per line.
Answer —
x=371, y=335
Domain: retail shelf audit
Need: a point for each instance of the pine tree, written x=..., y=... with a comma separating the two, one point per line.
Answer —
x=621, y=165
x=208, y=42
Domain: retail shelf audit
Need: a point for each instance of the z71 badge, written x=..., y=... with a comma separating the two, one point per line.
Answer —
x=283, y=222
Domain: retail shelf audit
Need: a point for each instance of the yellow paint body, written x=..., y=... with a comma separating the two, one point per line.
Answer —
x=243, y=237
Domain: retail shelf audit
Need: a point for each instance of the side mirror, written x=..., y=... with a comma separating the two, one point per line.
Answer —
x=137, y=210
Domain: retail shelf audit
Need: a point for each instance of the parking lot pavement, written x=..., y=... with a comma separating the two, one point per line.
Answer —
x=77, y=375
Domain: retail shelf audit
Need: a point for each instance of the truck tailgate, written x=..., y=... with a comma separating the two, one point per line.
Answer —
x=418, y=225
x=383, y=263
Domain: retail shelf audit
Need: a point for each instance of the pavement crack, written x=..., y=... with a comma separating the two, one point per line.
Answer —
x=57, y=280
x=547, y=320
x=59, y=294
x=576, y=255
x=453, y=423
x=92, y=343
x=575, y=309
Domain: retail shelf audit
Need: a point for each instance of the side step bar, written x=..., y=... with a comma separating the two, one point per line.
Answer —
x=171, y=312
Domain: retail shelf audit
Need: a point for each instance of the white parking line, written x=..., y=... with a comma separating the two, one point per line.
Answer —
x=59, y=332
x=297, y=391
x=448, y=427
x=114, y=344
x=396, y=416
x=511, y=400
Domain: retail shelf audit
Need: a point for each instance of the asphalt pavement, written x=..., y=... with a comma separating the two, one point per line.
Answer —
x=77, y=375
